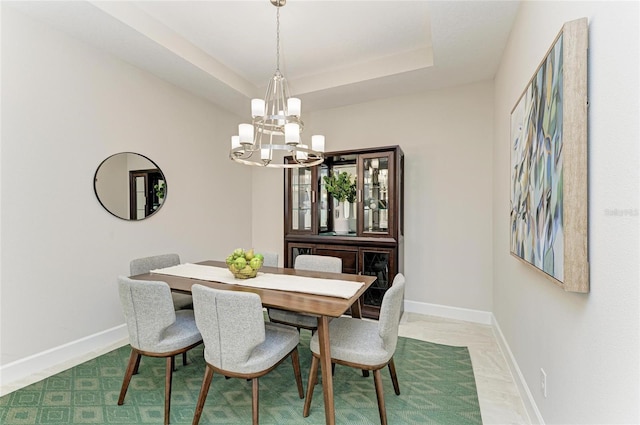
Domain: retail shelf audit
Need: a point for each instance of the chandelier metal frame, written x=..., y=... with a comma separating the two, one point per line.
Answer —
x=276, y=127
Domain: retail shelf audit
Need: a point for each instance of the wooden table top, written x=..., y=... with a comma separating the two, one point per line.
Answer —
x=318, y=305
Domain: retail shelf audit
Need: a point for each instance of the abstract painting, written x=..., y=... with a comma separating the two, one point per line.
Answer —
x=548, y=164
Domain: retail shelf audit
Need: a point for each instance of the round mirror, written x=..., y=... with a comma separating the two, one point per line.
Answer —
x=130, y=186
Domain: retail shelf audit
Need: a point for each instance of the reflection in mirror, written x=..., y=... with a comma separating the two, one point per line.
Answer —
x=130, y=186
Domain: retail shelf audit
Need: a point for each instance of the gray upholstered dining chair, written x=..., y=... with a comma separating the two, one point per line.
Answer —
x=364, y=344
x=318, y=263
x=146, y=264
x=155, y=329
x=221, y=317
x=270, y=259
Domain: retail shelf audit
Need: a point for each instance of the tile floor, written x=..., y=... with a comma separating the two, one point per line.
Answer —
x=500, y=402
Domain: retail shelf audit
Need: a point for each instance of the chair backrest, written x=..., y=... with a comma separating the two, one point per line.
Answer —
x=390, y=310
x=148, y=310
x=231, y=324
x=318, y=263
x=270, y=259
x=146, y=264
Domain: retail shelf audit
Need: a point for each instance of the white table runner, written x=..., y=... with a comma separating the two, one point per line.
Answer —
x=281, y=282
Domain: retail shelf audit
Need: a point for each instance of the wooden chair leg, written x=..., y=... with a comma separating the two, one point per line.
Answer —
x=295, y=359
x=134, y=361
x=204, y=390
x=184, y=361
x=255, y=404
x=135, y=370
x=313, y=378
x=377, y=378
x=167, y=388
x=394, y=376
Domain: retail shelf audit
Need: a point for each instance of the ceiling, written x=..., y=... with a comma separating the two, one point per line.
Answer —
x=333, y=53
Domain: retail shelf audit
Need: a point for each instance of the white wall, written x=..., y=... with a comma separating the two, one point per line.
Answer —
x=267, y=216
x=66, y=107
x=446, y=136
x=587, y=344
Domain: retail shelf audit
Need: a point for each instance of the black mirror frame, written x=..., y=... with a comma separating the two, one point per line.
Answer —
x=156, y=169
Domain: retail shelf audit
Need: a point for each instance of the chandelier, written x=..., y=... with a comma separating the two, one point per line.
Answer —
x=276, y=129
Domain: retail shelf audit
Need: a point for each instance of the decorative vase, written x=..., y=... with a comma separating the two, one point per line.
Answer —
x=340, y=221
x=352, y=217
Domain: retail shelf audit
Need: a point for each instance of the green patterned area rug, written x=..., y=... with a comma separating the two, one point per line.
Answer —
x=437, y=386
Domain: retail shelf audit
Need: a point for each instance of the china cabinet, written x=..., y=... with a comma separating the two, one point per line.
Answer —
x=371, y=241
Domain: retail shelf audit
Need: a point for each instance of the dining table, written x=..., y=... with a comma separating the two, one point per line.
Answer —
x=324, y=307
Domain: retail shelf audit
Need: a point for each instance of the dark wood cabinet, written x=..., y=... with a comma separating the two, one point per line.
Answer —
x=372, y=245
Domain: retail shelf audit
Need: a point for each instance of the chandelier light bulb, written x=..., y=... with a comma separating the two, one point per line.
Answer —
x=317, y=142
x=294, y=106
x=302, y=156
x=257, y=107
x=292, y=133
x=245, y=132
x=235, y=142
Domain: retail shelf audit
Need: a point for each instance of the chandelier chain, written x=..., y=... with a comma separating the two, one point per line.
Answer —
x=278, y=39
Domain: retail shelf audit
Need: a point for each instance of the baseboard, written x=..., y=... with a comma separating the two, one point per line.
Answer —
x=525, y=394
x=457, y=313
x=38, y=366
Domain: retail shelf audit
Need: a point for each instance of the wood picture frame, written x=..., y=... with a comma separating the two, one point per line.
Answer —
x=549, y=205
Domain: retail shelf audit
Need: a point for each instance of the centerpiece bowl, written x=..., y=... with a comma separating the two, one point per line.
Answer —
x=244, y=264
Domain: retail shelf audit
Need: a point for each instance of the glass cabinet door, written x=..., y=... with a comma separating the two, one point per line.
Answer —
x=377, y=262
x=323, y=200
x=329, y=208
x=295, y=249
x=301, y=211
x=377, y=196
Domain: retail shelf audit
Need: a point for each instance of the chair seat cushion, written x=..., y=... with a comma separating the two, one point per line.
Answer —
x=354, y=341
x=182, y=301
x=279, y=341
x=182, y=333
x=293, y=318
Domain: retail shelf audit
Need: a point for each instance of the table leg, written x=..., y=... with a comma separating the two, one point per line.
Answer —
x=325, y=365
x=356, y=309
